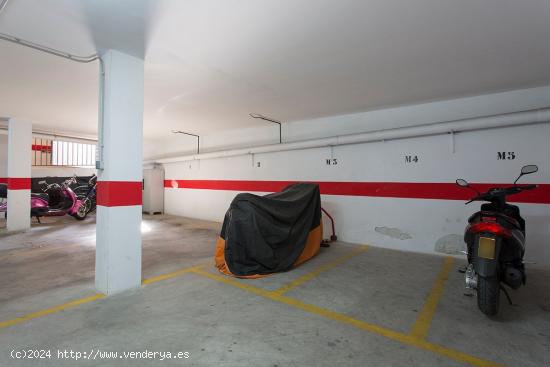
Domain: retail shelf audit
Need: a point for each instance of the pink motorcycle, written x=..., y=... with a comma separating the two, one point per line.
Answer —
x=56, y=200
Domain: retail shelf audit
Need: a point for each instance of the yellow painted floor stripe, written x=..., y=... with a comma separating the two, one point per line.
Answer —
x=321, y=269
x=174, y=274
x=422, y=325
x=95, y=297
x=276, y=296
x=49, y=311
x=376, y=329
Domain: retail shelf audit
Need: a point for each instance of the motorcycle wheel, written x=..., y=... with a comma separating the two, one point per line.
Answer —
x=87, y=203
x=81, y=190
x=488, y=295
x=81, y=213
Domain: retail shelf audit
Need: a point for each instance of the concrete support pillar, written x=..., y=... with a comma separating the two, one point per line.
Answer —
x=19, y=175
x=3, y=158
x=119, y=197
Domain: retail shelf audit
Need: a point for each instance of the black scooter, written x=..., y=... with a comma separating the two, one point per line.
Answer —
x=495, y=239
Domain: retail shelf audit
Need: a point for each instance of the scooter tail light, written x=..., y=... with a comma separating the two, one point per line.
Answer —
x=492, y=227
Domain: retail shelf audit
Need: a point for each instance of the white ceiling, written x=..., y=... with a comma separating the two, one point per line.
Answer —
x=211, y=62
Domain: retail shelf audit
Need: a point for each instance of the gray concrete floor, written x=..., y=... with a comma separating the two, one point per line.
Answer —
x=227, y=323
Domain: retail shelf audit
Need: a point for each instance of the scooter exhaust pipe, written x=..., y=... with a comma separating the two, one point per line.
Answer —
x=470, y=277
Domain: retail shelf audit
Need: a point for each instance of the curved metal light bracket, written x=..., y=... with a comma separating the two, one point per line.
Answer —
x=197, y=136
x=262, y=117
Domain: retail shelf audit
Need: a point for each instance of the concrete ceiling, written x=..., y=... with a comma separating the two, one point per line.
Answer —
x=209, y=63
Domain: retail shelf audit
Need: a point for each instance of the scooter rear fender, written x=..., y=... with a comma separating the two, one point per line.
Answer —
x=485, y=254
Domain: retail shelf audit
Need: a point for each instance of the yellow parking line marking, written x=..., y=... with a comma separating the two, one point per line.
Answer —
x=321, y=269
x=95, y=297
x=422, y=325
x=411, y=340
x=49, y=311
x=235, y=283
x=174, y=274
x=375, y=329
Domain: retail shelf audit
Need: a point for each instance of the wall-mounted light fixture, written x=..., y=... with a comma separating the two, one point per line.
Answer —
x=197, y=136
x=262, y=117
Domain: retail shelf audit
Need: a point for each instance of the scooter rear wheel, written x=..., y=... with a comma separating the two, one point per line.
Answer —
x=488, y=295
x=81, y=213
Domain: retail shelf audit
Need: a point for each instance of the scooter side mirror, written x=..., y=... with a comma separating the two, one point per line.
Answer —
x=530, y=168
x=526, y=170
x=463, y=183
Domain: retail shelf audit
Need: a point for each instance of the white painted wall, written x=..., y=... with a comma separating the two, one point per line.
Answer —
x=62, y=171
x=267, y=133
x=425, y=221
x=41, y=171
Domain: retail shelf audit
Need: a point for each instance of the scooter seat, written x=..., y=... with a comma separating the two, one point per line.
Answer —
x=42, y=196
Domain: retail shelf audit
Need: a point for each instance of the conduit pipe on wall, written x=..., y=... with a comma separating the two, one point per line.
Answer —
x=68, y=56
x=54, y=136
x=49, y=50
x=3, y=4
x=472, y=124
x=81, y=59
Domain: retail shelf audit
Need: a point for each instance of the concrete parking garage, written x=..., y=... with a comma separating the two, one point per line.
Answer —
x=274, y=183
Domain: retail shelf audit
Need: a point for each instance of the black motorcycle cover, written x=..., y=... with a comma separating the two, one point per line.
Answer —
x=272, y=233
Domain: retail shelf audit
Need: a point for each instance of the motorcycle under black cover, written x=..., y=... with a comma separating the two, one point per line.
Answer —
x=3, y=191
x=266, y=234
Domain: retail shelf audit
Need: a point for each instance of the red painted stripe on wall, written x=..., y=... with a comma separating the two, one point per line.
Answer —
x=409, y=190
x=19, y=183
x=263, y=186
x=119, y=193
x=42, y=148
x=3, y=180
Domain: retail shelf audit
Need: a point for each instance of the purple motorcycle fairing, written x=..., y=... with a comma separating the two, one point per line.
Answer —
x=40, y=206
x=38, y=203
x=3, y=196
x=75, y=200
